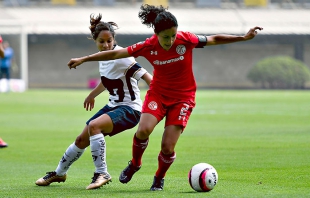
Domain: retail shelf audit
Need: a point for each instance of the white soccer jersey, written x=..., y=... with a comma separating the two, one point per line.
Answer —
x=120, y=77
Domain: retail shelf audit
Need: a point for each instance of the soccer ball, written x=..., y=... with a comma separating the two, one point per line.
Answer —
x=202, y=177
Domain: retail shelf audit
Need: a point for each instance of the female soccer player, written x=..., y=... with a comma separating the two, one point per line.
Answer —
x=2, y=143
x=172, y=90
x=120, y=78
x=1, y=48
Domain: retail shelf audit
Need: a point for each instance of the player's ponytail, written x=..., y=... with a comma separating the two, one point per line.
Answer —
x=157, y=17
x=96, y=26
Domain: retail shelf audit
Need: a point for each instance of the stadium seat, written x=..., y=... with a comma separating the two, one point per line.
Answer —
x=156, y=2
x=15, y=3
x=209, y=3
x=104, y=2
x=63, y=2
x=304, y=3
x=254, y=3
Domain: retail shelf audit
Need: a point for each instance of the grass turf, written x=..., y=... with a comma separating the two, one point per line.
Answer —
x=258, y=141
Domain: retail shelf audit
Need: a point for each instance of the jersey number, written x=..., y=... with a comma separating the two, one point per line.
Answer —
x=118, y=85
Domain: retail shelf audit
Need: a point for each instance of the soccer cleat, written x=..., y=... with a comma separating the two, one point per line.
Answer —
x=128, y=172
x=158, y=184
x=3, y=143
x=51, y=177
x=99, y=180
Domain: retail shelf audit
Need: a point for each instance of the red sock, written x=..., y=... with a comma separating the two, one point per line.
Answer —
x=138, y=148
x=164, y=162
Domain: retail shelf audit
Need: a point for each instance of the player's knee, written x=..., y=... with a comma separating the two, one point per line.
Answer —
x=81, y=142
x=78, y=140
x=93, y=128
x=144, y=131
x=167, y=148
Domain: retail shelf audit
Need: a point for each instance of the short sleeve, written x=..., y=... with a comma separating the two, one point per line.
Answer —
x=136, y=71
x=136, y=50
x=189, y=38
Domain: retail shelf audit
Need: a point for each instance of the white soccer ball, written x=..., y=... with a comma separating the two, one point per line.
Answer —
x=202, y=177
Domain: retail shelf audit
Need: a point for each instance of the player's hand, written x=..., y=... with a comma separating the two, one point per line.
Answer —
x=1, y=39
x=89, y=103
x=74, y=62
x=252, y=32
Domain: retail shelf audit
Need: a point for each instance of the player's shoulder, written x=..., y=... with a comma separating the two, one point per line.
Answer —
x=147, y=42
x=142, y=45
x=186, y=36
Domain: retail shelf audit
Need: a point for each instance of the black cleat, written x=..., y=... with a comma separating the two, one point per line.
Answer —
x=128, y=172
x=158, y=184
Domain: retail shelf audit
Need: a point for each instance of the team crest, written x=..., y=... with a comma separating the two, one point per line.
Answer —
x=152, y=105
x=181, y=49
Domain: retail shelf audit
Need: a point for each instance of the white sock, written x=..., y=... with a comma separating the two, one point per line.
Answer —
x=98, y=152
x=71, y=155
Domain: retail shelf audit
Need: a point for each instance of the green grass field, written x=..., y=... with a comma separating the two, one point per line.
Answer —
x=258, y=141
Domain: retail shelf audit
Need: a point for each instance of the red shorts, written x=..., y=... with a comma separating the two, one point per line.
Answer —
x=177, y=111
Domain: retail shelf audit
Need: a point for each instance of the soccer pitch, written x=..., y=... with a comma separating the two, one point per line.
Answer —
x=258, y=141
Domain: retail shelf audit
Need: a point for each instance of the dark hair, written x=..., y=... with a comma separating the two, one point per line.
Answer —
x=96, y=26
x=157, y=17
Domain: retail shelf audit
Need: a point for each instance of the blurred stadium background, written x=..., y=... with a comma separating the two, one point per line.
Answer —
x=46, y=34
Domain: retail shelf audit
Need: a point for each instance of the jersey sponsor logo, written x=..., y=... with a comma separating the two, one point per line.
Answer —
x=157, y=62
x=181, y=49
x=153, y=52
x=152, y=105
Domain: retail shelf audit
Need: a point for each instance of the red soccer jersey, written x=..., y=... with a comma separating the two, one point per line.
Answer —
x=173, y=69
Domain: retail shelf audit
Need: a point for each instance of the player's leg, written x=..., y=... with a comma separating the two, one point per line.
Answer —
x=152, y=112
x=96, y=126
x=140, y=142
x=8, y=77
x=141, y=137
x=176, y=120
x=73, y=153
x=167, y=155
x=3, y=143
x=114, y=121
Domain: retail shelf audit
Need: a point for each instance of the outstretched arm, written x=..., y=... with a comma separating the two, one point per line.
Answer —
x=225, y=39
x=100, y=56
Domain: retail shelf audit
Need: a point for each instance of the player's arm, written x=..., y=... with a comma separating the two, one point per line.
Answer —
x=226, y=39
x=1, y=48
x=89, y=101
x=100, y=56
x=147, y=77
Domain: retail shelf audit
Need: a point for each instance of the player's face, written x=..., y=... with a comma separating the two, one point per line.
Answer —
x=105, y=41
x=167, y=37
